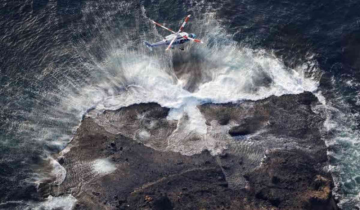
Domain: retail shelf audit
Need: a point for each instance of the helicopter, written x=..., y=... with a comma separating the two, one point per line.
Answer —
x=176, y=38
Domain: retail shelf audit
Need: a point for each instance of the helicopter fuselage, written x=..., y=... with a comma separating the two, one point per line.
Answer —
x=179, y=40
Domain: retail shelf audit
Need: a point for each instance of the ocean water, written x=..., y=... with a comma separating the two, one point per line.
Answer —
x=59, y=59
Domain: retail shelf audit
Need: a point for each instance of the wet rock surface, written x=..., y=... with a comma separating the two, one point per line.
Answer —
x=274, y=159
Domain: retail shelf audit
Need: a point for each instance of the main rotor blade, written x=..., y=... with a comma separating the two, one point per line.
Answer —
x=184, y=23
x=172, y=41
x=158, y=24
x=194, y=40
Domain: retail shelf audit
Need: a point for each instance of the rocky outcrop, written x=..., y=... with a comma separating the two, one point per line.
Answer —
x=275, y=159
x=290, y=180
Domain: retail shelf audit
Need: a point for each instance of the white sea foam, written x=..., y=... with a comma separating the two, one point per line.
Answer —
x=350, y=203
x=144, y=135
x=236, y=73
x=102, y=166
x=58, y=171
x=342, y=136
x=62, y=202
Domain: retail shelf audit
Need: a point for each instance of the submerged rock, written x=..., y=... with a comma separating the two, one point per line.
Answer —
x=278, y=164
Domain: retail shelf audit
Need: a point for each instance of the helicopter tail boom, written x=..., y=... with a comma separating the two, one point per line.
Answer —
x=148, y=45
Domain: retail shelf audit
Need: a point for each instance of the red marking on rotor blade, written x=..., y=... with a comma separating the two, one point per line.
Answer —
x=187, y=19
x=163, y=26
x=184, y=23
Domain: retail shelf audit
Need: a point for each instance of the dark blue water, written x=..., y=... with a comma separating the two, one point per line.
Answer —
x=46, y=46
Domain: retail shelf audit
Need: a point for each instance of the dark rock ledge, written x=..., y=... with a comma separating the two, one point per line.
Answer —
x=290, y=176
